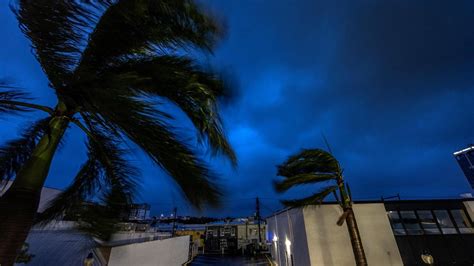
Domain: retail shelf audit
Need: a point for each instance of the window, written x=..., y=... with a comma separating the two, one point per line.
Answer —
x=462, y=221
x=444, y=221
x=397, y=225
x=428, y=222
x=411, y=223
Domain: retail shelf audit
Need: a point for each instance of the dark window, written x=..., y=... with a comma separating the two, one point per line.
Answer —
x=396, y=222
x=411, y=222
x=428, y=222
x=444, y=221
x=462, y=221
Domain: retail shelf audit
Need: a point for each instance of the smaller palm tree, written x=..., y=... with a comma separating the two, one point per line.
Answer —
x=317, y=166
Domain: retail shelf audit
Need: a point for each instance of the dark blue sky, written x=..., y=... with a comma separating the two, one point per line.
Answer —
x=390, y=84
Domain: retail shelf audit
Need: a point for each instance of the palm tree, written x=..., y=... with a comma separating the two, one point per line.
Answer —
x=316, y=166
x=111, y=64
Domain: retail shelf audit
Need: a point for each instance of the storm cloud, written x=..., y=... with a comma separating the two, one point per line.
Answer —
x=389, y=83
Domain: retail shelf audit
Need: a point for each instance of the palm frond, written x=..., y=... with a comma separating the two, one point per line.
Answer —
x=311, y=200
x=105, y=169
x=7, y=97
x=84, y=186
x=101, y=220
x=146, y=127
x=131, y=27
x=192, y=89
x=57, y=31
x=15, y=153
x=302, y=179
x=309, y=161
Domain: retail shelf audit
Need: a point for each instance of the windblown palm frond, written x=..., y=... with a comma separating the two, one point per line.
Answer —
x=302, y=179
x=169, y=152
x=309, y=161
x=131, y=27
x=15, y=153
x=9, y=97
x=57, y=33
x=183, y=82
x=105, y=170
x=307, y=167
x=101, y=220
x=105, y=59
x=311, y=200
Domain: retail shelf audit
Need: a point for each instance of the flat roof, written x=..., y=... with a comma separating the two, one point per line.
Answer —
x=395, y=201
x=464, y=150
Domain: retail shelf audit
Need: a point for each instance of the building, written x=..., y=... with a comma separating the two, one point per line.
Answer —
x=234, y=237
x=248, y=238
x=139, y=212
x=392, y=233
x=465, y=158
x=221, y=238
x=197, y=234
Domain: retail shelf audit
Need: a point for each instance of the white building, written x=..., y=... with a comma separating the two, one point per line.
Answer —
x=392, y=233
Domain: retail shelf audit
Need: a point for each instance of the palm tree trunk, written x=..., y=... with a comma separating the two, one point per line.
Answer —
x=356, y=241
x=19, y=204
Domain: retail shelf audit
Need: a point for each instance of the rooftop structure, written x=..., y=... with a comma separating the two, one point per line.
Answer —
x=396, y=232
x=465, y=158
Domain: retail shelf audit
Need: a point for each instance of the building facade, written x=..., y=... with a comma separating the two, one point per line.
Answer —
x=465, y=158
x=440, y=228
x=221, y=238
x=392, y=233
x=240, y=236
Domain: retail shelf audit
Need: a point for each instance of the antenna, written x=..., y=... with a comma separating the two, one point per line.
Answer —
x=257, y=206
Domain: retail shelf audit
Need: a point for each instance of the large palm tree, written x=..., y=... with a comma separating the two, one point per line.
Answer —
x=110, y=64
x=316, y=166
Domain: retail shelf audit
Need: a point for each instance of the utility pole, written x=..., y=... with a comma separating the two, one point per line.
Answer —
x=257, y=214
x=175, y=210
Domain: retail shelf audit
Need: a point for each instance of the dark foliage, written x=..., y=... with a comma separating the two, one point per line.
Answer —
x=307, y=167
x=15, y=153
x=109, y=61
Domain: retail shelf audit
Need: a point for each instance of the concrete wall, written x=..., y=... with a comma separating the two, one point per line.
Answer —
x=332, y=243
x=168, y=252
x=316, y=239
x=377, y=235
x=287, y=234
x=470, y=208
x=328, y=243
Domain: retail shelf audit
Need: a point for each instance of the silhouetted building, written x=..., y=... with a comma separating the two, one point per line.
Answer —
x=465, y=158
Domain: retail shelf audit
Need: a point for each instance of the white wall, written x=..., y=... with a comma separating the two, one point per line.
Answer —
x=328, y=243
x=377, y=235
x=470, y=208
x=168, y=252
x=316, y=239
x=288, y=227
